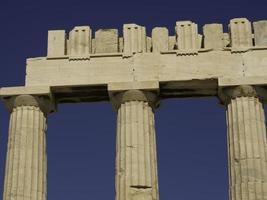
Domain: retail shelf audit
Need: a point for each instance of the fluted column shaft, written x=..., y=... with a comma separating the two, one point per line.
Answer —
x=26, y=161
x=246, y=144
x=136, y=157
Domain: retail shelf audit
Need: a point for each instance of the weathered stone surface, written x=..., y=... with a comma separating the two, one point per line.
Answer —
x=247, y=144
x=224, y=82
x=144, y=85
x=41, y=95
x=187, y=35
x=213, y=36
x=134, y=39
x=89, y=72
x=106, y=41
x=26, y=165
x=80, y=41
x=148, y=67
x=136, y=158
x=56, y=43
x=241, y=33
x=260, y=32
x=160, y=39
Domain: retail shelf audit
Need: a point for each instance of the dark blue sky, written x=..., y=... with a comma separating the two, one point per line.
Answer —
x=191, y=133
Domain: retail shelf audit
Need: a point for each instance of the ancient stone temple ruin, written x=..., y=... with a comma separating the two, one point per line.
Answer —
x=135, y=72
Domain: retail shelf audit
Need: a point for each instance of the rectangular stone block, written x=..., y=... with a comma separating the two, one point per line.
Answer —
x=187, y=35
x=20, y=90
x=160, y=39
x=80, y=41
x=251, y=80
x=260, y=32
x=213, y=36
x=240, y=33
x=56, y=43
x=106, y=41
x=144, y=85
x=134, y=39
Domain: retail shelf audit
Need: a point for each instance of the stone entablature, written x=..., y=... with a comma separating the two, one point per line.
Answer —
x=134, y=72
x=82, y=66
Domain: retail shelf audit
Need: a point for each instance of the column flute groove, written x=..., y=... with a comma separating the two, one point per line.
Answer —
x=26, y=162
x=136, y=171
x=247, y=155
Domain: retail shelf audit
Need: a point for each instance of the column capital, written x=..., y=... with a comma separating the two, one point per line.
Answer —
x=225, y=94
x=37, y=96
x=118, y=98
x=45, y=103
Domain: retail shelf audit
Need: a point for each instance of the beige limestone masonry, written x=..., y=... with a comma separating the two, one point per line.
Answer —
x=134, y=71
x=26, y=164
x=136, y=157
x=247, y=150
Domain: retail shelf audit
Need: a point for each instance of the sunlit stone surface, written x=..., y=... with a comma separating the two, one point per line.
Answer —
x=134, y=71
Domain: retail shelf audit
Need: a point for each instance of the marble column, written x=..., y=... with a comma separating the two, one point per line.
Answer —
x=26, y=161
x=247, y=155
x=136, y=157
